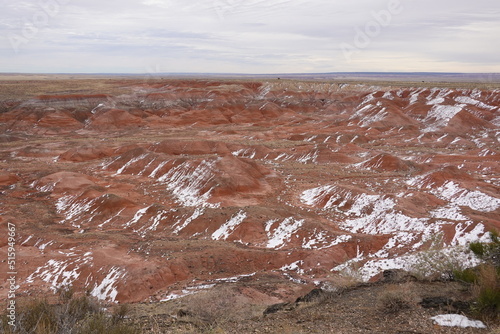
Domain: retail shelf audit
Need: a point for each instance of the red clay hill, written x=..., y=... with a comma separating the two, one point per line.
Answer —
x=149, y=190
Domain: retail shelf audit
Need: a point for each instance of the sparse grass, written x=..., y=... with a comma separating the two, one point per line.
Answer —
x=73, y=315
x=213, y=309
x=38, y=317
x=486, y=278
x=397, y=298
x=487, y=292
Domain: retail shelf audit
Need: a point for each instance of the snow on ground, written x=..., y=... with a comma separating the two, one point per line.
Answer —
x=283, y=232
x=295, y=266
x=426, y=263
x=475, y=200
x=228, y=227
x=154, y=223
x=315, y=195
x=449, y=212
x=233, y=279
x=130, y=163
x=60, y=273
x=71, y=207
x=321, y=240
x=457, y=320
x=107, y=290
x=187, y=291
x=189, y=183
x=309, y=157
x=378, y=215
x=469, y=100
x=138, y=215
x=383, y=219
x=439, y=116
x=245, y=153
x=179, y=227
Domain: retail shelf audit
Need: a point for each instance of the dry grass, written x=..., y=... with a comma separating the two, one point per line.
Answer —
x=397, y=298
x=73, y=315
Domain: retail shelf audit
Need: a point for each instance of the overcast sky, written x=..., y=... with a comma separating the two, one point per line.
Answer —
x=249, y=36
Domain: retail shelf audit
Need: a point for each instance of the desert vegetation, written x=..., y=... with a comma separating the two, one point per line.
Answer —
x=71, y=314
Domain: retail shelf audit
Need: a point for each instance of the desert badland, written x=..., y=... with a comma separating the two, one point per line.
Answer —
x=145, y=191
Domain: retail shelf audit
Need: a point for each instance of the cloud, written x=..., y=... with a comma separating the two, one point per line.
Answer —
x=253, y=36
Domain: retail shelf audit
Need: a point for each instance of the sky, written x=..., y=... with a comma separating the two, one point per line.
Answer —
x=249, y=36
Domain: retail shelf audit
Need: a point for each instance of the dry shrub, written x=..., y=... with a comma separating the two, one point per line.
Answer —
x=397, y=298
x=215, y=308
x=486, y=291
x=38, y=317
x=73, y=315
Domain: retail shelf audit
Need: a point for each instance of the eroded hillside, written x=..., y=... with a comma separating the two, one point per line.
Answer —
x=150, y=190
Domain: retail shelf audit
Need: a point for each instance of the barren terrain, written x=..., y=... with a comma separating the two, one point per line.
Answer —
x=149, y=190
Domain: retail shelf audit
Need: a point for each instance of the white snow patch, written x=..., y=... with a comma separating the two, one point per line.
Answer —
x=320, y=241
x=157, y=169
x=475, y=200
x=60, y=273
x=228, y=227
x=283, y=232
x=450, y=212
x=188, y=183
x=197, y=213
x=439, y=116
x=309, y=157
x=128, y=164
x=138, y=215
x=245, y=153
x=233, y=279
x=457, y=320
x=295, y=266
x=468, y=100
x=462, y=238
x=106, y=290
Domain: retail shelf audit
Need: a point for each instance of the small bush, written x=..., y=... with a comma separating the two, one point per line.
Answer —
x=490, y=251
x=397, y=299
x=73, y=315
x=120, y=313
x=393, y=303
x=468, y=275
x=38, y=317
x=485, y=278
x=487, y=292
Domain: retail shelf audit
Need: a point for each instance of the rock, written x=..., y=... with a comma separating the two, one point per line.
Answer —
x=313, y=296
x=276, y=308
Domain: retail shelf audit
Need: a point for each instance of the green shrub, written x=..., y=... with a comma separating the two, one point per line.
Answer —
x=468, y=275
x=489, y=252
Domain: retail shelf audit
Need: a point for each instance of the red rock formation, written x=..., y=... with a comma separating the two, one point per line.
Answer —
x=183, y=183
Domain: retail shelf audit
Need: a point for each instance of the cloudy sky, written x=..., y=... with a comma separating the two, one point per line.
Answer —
x=249, y=36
